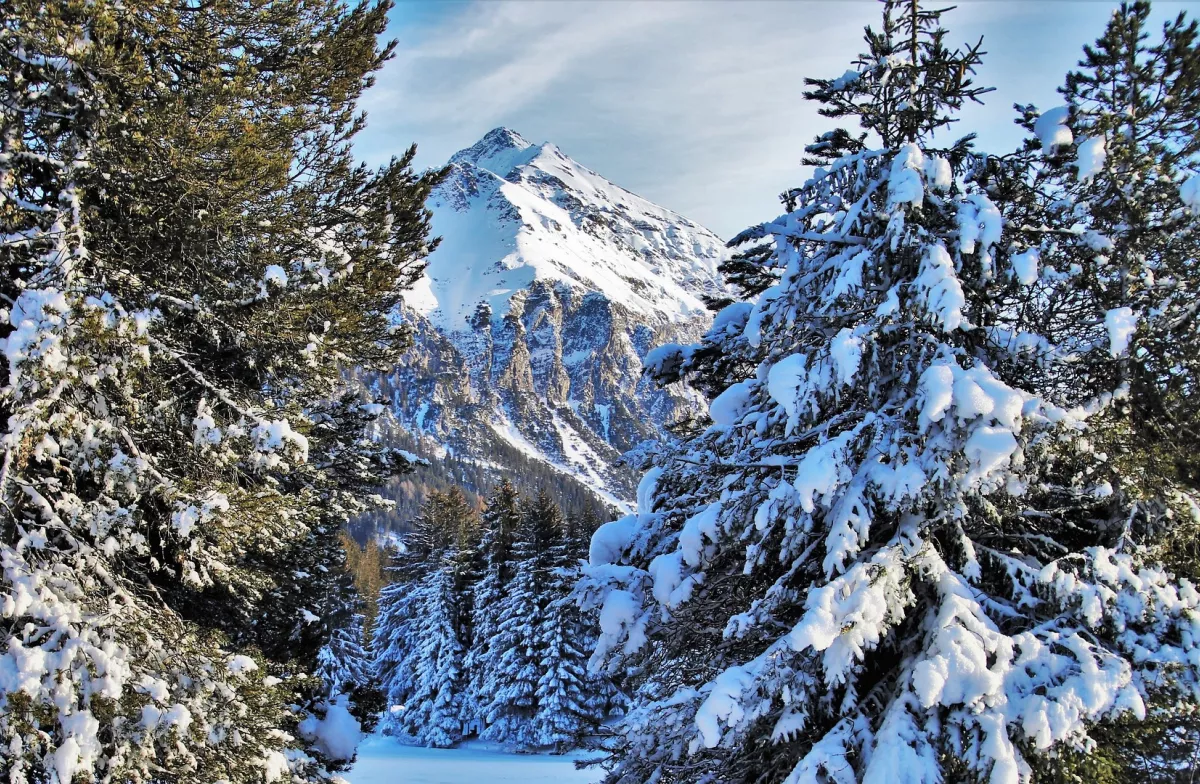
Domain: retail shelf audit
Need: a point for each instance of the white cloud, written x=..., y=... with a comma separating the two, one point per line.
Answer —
x=695, y=105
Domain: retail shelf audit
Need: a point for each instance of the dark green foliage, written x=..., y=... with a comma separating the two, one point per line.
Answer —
x=214, y=258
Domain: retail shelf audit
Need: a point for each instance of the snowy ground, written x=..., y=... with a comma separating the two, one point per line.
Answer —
x=382, y=760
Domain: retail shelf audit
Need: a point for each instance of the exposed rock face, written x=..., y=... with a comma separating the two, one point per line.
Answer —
x=535, y=313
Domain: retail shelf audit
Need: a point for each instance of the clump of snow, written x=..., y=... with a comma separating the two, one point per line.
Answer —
x=1121, y=323
x=936, y=389
x=905, y=185
x=1091, y=156
x=153, y=687
x=668, y=575
x=665, y=359
x=80, y=749
x=821, y=471
x=36, y=318
x=944, y=298
x=695, y=529
x=988, y=449
x=275, y=275
x=845, y=80
x=1052, y=130
x=274, y=437
x=1097, y=241
x=22, y=669
x=621, y=617
x=185, y=517
x=979, y=221
x=938, y=173
x=890, y=304
x=337, y=734
x=848, y=615
x=727, y=408
x=723, y=704
x=846, y=352
x=646, y=489
x=204, y=428
x=1025, y=266
x=611, y=539
x=176, y=716
x=754, y=321
x=975, y=394
x=240, y=665
x=732, y=316
x=784, y=382
x=275, y=767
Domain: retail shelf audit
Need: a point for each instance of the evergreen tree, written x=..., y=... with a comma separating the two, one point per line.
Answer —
x=1111, y=243
x=431, y=704
x=887, y=557
x=343, y=663
x=393, y=645
x=418, y=639
x=1119, y=234
x=516, y=665
x=571, y=702
x=189, y=257
x=366, y=565
x=347, y=673
x=495, y=564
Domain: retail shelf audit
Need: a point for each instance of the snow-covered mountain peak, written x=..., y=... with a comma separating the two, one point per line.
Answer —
x=578, y=279
x=498, y=151
x=512, y=213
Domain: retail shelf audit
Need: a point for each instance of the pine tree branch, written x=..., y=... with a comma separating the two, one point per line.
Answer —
x=204, y=382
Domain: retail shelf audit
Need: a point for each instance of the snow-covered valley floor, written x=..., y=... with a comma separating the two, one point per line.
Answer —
x=382, y=760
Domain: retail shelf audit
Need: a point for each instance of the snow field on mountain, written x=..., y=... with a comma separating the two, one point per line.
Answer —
x=512, y=212
x=384, y=760
x=582, y=459
x=580, y=279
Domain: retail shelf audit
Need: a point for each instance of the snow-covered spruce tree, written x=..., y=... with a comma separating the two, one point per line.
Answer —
x=418, y=639
x=343, y=664
x=393, y=646
x=1112, y=247
x=494, y=565
x=1120, y=237
x=515, y=667
x=882, y=561
x=189, y=256
x=571, y=702
x=432, y=702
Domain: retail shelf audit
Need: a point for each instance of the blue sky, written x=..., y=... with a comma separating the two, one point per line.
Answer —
x=695, y=105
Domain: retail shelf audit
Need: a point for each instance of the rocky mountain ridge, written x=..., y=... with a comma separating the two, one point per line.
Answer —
x=534, y=315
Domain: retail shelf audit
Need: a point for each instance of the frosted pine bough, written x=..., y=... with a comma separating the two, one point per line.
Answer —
x=884, y=561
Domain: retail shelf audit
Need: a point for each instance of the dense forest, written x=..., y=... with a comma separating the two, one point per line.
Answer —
x=937, y=523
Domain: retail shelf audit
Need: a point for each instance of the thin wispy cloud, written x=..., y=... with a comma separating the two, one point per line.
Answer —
x=695, y=105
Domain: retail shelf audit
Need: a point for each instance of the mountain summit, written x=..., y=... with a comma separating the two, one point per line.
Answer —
x=536, y=311
x=512, y=212
x=490, y=151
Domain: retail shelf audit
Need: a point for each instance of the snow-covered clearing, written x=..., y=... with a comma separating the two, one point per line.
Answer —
x=384, y=760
